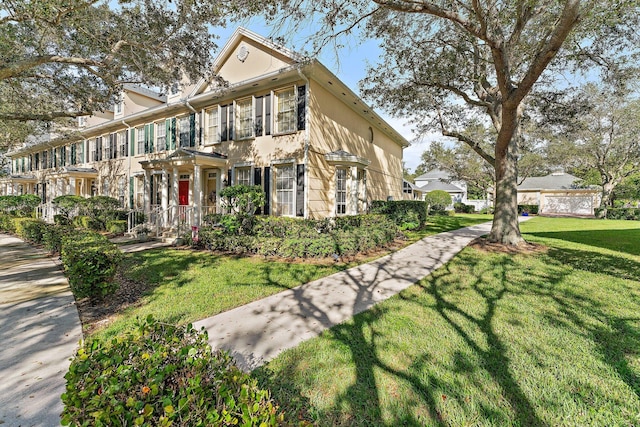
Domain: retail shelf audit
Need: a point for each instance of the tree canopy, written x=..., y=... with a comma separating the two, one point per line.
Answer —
x=455, y=63
x=61, y=59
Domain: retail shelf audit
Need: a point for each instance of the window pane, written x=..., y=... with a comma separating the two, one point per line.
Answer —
x=285, y=184
x=161, y=139
x=213, y=135
x=341, y=191
x=286, y=119
x=244, y=119
x=185, y=130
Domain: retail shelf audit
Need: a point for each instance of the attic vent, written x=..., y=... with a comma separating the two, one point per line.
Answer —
x=243, y=53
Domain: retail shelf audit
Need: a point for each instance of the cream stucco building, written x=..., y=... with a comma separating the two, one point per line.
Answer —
x=272, y=119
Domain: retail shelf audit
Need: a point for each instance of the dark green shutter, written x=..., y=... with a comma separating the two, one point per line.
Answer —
x=132, y=140
x=300, y=190
x=302, y=101
x=267, y=190
x=192, y=130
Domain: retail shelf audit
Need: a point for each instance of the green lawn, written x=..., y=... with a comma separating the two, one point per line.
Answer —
x=489, y=339
x=185, y=286
x=439, y=224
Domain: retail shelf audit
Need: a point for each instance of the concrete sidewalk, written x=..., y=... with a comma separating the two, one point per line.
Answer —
x=258, y=332
x=39, y=332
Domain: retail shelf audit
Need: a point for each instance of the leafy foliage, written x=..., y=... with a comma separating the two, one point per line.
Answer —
x=460, y=207
x=242, y=199
x=632, y=214
x=407, y=214
x=162, y=375
x=90, y=262
x=23, y=205
x=437, y=200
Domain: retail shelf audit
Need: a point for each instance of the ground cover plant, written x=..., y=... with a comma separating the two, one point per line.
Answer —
x=550, y=336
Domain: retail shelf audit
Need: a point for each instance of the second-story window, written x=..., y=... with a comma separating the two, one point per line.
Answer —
x=244, y=119
x=286, y=117
x=184, y=131
x=123, y=144
x=140, y=140
x=213, y=127
x=161, y=136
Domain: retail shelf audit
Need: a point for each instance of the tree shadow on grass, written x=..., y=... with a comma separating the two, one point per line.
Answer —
x=616, y=240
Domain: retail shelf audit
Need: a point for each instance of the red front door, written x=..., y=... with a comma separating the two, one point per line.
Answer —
x=183, y=192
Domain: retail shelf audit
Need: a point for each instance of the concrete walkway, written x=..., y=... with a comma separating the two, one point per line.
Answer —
x=39, y=332
x=258, y=332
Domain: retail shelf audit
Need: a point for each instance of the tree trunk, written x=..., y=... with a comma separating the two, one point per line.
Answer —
x=605, y=202
x=505, y=228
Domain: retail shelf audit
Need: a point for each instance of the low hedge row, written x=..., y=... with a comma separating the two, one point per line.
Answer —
x=632, y=214
x=460, y=207
x=407, y=214
x=162, y=375
x=296, y=238
x=90, y=261
x=532, y=209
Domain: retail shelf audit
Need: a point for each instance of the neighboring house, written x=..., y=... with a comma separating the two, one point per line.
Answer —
x=558, y=194
x=437, y=179
x=411, y=191
x=287, y=125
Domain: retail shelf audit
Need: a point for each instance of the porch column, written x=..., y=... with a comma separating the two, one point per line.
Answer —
x=165, y=197
x=174, y=197
x=197, y=194
x=147, y=192
x=71, y=186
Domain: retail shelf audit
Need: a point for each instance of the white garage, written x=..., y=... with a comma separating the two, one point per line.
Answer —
x=568, y=205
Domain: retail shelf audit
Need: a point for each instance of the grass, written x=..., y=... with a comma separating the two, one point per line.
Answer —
x=490, y=339
x=440, y=224
x=183, y=286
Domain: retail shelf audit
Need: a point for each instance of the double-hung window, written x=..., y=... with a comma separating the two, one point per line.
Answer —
x=285, y=190
x=341, y=191
x=123, y=145
x=286, y=115
x=243, y=176
x=213, y=126
x=244, y=118
x=184, y=129
x=140, y=139
x=161, y=136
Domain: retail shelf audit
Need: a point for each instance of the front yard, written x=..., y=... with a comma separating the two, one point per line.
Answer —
x=550, y=337
x=182, y=286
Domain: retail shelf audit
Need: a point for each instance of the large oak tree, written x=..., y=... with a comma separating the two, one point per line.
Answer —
x=449, y=63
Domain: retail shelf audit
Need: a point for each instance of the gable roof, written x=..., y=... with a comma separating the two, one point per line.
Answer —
x=553, y=181
x=439, y=185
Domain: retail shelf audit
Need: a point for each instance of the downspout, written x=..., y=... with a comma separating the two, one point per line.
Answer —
x=129, y=157
x=305, y=160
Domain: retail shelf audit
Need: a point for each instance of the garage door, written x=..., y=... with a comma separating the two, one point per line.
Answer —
x=571, y=205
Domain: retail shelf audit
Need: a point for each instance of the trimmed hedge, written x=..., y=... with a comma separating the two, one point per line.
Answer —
x=116, y=226
x=29, y=229
x=23, y=205
x=162, y=375
x=90, y=262
x=631, y=214
x=407, y=214
x=460, y=207
x=298, y=238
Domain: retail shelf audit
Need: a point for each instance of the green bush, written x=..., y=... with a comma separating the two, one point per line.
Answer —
x=23, y=205
x=460, y=207
x=530, y=209
x=116, y=226
x=242, y=199
x=29, y=229
x=71, y=205
x=53, y=235
x=631, y=214
x=407, y=214
x=162, y=375
x=88, y=222
x=6, y=223
x=90, y=262
x=437, y=200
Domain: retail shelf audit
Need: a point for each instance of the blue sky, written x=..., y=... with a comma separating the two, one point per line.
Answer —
x=349, y=64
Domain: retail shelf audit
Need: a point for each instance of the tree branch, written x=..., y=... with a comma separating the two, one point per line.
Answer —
x=49, y=116
x=470, y=142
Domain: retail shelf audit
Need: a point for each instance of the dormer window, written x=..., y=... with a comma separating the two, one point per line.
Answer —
x=118, y=107
x=82, y=121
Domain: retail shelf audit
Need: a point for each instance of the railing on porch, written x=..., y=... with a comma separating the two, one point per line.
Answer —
x=178, y=219
x=46, y=212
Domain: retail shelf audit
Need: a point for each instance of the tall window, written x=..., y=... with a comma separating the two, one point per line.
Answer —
x=244, y=119
x=140, y=139
x=285, y=190
x=341, y=191
x=286, y=118
x=185, y=131
x=80, y=152
x=213, y=130
x=361, y=191
x=243, y=176
x=161, y=136
x=123, y=144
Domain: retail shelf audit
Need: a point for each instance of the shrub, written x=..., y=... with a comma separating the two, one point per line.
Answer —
x=53, y=235
x=162, y=375
x=632, y=214
x=437, y=200
x=408, y=214
x=71, y=205
x=23, y=205
x=530, y=209
x=88, y=222
x=242, y=199
x=6, y=223
x=61, y=219
x=460, y=207
x=90, y=262
x=116, y=226
x=30, y=230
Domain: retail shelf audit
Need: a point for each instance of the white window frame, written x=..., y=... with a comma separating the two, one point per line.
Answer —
x=161, y=135
x=242, y=175
x=342, y=191
x=212, y=126
x=181, y=128
x=122, y=143
x=285, y=198
x=292, y=109
x=140, y=140
x=243, y=110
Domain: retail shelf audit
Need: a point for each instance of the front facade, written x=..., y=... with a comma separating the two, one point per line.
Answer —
x=288, y=126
